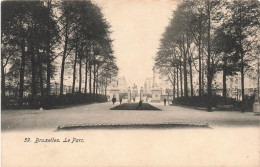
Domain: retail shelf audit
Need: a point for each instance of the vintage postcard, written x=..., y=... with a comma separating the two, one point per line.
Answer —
x=142, y=83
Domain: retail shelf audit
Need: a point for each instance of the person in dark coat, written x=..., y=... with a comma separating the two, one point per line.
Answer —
x=164, y=100
x=140, y=105
x=114, y=100
x=120, y=100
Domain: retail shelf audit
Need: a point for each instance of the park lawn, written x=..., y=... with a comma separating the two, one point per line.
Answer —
x=134, y=106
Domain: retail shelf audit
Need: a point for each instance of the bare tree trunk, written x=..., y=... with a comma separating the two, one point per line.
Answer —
x=185, y=73
x=64, y=57
x=75, y=68
x=40, y=72
x=209, y=74
x=224, y=79
x=97, y=83
x=89, y=78
x=22, y=67
x=48, y=53
x=80, y=77
x=2, y=81
x=242, y=78
x=200, y=35
x=62, y=75
x=174, y=83
x=41, y=81
x=181, y=81
x=202, y=74
x=94, y=78
x=33, y=64
x=48, y=73
x=86, y=76
x=106, y=87
x=191, y=84
x=241, y=51
x=177, y=82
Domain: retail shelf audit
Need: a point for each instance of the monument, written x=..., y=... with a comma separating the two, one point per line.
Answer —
x=156, y=91
x=141, y=93
x=129, y=95
x=156, y=94
x=134, y=93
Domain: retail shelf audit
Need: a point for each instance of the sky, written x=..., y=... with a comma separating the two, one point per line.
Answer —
x=137, y=26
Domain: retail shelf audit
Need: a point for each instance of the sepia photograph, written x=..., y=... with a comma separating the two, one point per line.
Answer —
x=130, y=83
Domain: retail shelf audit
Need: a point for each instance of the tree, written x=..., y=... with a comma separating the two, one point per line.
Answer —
x=242, y=25
x=66, y=21
x=224, y=44
x=214, y=16
x=34, y=32
x=25, y=30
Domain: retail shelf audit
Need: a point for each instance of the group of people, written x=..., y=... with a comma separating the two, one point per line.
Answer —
x=114, y=100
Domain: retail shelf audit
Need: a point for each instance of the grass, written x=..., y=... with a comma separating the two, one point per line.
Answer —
x=134, y=106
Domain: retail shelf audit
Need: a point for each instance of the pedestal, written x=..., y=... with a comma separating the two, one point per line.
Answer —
x=156, y=95
x=256, y=103
x=141, y=95
x=256, y=108
x=129, y=96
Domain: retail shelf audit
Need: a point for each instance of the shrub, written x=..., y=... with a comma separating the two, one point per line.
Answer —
x=197, y=101
x=51, y=101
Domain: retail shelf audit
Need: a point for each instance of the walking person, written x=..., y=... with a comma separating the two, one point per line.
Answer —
x=164, y=100
x=120, y=100
x=114, y=100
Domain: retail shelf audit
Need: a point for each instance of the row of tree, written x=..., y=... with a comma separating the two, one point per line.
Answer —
x=205, y=37
x=39, y=36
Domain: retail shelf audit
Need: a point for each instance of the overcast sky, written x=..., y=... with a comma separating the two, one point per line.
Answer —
x=137, y=26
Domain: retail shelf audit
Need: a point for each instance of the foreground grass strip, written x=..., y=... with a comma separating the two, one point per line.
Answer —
x=134, y=125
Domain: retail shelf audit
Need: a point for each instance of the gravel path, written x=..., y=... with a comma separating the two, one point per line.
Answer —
x=231, y=140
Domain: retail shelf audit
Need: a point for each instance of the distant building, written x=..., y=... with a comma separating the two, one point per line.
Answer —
x=117, y=87
x=119, y=83
x=113, y=90
x=122, y=85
